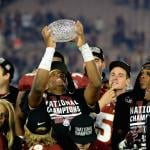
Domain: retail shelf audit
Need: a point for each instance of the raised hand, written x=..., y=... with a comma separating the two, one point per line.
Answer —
x=48, y=38
x=107, y=98
x=80, y=38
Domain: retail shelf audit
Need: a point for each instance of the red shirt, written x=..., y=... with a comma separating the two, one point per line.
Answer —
x=3, y=142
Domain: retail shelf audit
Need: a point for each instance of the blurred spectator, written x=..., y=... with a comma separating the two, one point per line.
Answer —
x=7, y=91
x=7, y=125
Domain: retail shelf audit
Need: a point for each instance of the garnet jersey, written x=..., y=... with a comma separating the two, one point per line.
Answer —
x=104, y=123
x=80, y=80
x=3, y=142
x=25, y=82
x=44, y=147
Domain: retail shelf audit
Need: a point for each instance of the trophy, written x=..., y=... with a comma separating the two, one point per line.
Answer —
x=63, y=30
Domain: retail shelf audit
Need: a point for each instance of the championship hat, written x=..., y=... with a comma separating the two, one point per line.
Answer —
x=82, y=129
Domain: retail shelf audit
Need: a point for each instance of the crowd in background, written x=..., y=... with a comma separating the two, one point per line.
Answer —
x=20, y=36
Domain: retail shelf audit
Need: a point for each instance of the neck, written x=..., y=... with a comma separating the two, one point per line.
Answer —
x=4, y=90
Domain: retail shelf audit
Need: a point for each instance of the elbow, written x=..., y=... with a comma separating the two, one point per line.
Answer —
x=39, y=88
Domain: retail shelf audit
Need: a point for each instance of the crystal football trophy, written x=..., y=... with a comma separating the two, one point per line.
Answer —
x=63, y=30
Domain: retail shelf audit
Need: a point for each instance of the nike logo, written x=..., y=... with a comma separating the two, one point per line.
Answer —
x=40, y=123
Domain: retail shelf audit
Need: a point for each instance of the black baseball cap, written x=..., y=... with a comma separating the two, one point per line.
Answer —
x=38, y=121
x=82, y=129
x=97, y=51
x=7, y=66
x=60, y=66
x=121, y=64
x=58, y=54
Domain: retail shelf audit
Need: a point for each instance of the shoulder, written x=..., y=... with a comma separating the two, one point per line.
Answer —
x=13, y=93
x=76, y=74
x=126, y=97
x=26, y=81
x=13, y=89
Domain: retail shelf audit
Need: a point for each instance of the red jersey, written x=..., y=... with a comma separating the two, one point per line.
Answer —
x=43, y=147
x=104, y=124
x=80, y=80
x=26, y=81
x=3, y=142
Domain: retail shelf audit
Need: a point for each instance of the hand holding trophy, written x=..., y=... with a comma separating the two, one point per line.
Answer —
x=80, y=37
x=48, y=37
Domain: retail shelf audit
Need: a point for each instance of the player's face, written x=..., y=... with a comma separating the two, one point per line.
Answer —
x=83, y=146
x=57, y=77
x=99, y=63
x=144, y=78
x=118, y=78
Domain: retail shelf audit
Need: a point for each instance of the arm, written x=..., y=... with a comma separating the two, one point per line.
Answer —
x=91, y=92
x=20, y=119
x=42, y=75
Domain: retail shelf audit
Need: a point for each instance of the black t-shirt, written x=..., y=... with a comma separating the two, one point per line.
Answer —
x=11, y=96
x=61, y=110
x=130, y=115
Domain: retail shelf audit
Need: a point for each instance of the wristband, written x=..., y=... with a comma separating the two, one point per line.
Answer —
x=47, y=59
x=86, y=52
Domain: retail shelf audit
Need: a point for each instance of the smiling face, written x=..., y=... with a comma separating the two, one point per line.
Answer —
x=118, y=78
x=100, y=64
x=57, y=78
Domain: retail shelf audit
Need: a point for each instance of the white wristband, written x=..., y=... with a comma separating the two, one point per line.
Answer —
x=47, y=59
x=86, y=52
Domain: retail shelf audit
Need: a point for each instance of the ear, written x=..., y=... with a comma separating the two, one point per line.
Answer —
x=7, y=76
x=103, y=65
x=46, y=87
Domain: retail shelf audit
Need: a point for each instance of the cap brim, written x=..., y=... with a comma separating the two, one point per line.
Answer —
x=84, y=139
x=60, y=66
